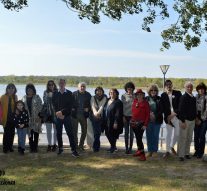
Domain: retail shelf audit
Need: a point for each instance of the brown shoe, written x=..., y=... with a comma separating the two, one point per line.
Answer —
x=173, y=151
x=154, y=154
x=166, y=155
x=149, y=154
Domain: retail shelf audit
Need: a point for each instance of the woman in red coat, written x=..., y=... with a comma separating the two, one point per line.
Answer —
x=139, y=121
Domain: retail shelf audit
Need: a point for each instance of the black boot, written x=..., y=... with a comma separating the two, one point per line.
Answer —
x=19, y=149
x=49, y=148
x=22, y=151
x=54, y=147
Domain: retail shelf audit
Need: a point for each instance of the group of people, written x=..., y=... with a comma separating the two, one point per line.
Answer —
x=134, y=112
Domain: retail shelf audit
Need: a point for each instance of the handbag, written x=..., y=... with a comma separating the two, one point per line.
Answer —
x=43, y=114
x=136, y=124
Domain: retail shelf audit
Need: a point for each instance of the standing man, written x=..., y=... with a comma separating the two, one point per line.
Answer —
x=81, y=113
x=187, y=113
x=170, y=102
x=63, y=102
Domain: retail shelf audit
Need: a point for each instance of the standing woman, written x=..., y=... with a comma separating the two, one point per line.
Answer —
x=201, y=121
x=127, y=100
x=33, y=104
x=97, y=104
x=8, y=104
x=49, y=115
x=139, y=121
x=113, y=118
x=156, y=119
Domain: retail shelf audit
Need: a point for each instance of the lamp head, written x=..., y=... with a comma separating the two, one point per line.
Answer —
x=164, y=68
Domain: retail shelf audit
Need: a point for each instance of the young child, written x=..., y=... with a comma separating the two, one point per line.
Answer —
x=21, y=120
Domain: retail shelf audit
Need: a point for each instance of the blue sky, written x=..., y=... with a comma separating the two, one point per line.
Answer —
x=46, y=38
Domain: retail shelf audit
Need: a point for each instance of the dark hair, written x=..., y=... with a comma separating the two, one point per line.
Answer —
x=62, y=79
x=201, y=86
x=11, y=85
x=129, y=85
x=116, y=91
x=99, y=88
x=19, y=101
x=47, y=87
x=167, y=81
x=30, y=86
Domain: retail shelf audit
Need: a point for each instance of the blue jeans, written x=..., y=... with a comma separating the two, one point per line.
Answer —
x=200, y=138
x=97, y=133
x=152, y=133
x=69, y=131
x=21, y=132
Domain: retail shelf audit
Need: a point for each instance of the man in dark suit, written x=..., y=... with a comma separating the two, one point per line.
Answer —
x=170, y=103
x=63, y=102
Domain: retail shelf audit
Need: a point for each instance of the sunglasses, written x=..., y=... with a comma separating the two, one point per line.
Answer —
x=11, y=87
x=153, y=90
x=50, y=84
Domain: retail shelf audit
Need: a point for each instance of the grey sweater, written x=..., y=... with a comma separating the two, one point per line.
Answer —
x=127, y=101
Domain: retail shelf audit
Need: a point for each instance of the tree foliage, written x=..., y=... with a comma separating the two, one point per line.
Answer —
x=189, y=26
x=106, y=82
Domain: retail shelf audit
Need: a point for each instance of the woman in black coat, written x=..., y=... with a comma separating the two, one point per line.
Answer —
x=113, y=115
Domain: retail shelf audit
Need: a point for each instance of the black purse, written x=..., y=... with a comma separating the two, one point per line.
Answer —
x=136, y=124
x=43, y=114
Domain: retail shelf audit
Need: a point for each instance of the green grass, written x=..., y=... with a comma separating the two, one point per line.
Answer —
x=100, y=171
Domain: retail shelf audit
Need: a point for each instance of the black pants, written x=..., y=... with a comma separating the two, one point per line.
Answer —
x=8, y=137
x=200, y=138
x=129, y=134
x=69, y=131
x=138, y=131
x=33, y=140
x=112, y=139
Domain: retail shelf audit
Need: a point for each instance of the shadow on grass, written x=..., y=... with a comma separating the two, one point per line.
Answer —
x=100, y=171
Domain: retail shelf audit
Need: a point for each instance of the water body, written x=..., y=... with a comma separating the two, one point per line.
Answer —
x=41, y=88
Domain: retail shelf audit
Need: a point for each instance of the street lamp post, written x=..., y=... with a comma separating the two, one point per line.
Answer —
x=164, y=69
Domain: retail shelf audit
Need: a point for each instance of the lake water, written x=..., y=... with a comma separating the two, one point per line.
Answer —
x=40, y=89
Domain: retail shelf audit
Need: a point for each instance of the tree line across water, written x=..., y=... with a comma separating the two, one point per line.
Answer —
x=107, y=82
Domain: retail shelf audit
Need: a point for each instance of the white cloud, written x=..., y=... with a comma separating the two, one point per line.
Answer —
x=56, y=50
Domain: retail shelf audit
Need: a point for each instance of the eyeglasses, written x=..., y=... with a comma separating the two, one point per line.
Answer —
x=153, y=90
x=50, y=84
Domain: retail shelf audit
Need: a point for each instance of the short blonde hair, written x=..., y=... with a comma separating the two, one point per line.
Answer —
x=81, y=84
x=153, y=87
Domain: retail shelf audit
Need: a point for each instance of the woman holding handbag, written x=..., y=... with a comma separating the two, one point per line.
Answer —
x=139, y=121
x=49, y=115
